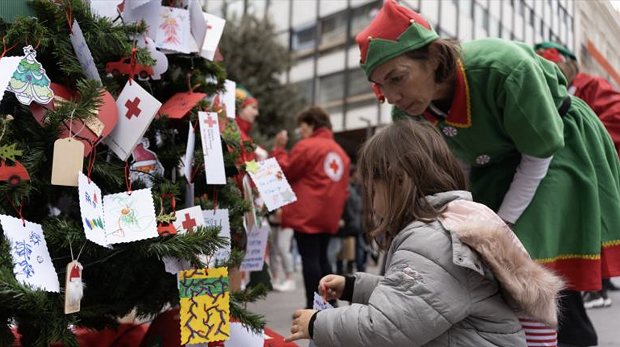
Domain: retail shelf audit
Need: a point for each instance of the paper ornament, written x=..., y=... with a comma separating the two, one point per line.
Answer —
x=180, y=104
x=255, y=249
x=205, y=305
x=8, y=65
x=271, y=183
x=173, y=32
x=161, y=61
x=129, y=216
x=29, y=81
x=100, y=123
x=67, y=162
x=82, y=52
x=212, y=148
x=145, y=164
x=11, y=170
x=91, y=208
x=74, y=288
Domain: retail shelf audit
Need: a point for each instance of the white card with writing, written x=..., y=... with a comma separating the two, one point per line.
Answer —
x=219, y=218
x=212, y=148
x=32, y=263
x=148, y=12
x=136, y=110
x=271, y=184
x=319, y=304
x=228, y=98
x=215, y=28
x=8, y=65
x=188, y=161
x=241, y=336
x=91, y=208
x=173, y=32
x=129, y=217
x=255, y=250
x=83, y=54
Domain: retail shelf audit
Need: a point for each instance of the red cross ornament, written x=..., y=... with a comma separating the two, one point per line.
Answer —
x=132, y=108
x=189, y=223
x=210, y=122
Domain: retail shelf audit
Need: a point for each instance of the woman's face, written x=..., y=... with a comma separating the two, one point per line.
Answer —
x=249, y=113
x=305, y=130
x=407, y=83
x=379, y=197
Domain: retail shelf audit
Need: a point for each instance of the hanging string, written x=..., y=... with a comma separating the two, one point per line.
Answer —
x=132, y=63
x=4, y=52
x=191, y=179
x=38, y=43
x=214, y=200
x=19, y=211
x=127, y=178
x=92, y=157
x=69, y=14
x=173, y=203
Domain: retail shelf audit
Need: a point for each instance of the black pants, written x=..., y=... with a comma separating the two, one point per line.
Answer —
x=575, y=326
x=313, y=251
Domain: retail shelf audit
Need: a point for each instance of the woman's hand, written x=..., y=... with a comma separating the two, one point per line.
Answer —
x=301, y=320
x=331, y=287
x=281, y=140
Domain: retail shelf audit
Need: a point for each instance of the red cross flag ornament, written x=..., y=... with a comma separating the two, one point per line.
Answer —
x=333, y=166
x=132, y=108
x=189, y=223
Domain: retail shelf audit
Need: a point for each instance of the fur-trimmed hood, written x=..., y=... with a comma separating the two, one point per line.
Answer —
x=532, y=286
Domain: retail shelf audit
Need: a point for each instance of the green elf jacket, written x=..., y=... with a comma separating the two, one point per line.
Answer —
x=506, y=104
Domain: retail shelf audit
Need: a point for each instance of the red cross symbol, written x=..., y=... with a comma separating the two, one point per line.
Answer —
x=132, y=108
x=188, y=223
x=95, y=197
x=210, y=122
x=334, y=165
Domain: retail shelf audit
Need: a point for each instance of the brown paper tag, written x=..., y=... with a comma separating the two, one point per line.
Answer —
x=74, y=288
x=68, y=161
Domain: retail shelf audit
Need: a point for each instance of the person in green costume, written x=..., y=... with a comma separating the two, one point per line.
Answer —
x=538, y=157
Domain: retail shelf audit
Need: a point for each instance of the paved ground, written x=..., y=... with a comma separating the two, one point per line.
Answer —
x=279, y=307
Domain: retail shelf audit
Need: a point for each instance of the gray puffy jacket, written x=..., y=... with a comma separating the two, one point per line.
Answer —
x=436, y=292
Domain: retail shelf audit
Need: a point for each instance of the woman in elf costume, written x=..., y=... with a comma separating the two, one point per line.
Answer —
x=537, y=156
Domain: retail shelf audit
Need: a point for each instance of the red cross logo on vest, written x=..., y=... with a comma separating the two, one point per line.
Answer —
x=189, y=223
x=132, y=108
x=210, y=122
x=333, y=166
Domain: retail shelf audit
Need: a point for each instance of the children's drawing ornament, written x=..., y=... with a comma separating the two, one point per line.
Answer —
x=29, y=82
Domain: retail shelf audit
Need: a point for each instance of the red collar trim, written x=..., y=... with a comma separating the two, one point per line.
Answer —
x=460, y=110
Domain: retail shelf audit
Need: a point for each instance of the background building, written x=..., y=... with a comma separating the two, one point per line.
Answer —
x=321, y=36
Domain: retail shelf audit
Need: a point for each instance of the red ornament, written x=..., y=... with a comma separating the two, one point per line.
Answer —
x=166, y=229
x=101, y=124
x=123, y=67
x=13, y=174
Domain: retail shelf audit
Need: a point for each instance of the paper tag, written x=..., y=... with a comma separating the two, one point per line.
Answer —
x=129, y=217
x=82, y=52
x=180, y=103
x=32, y=263
x=173, y=32
x=228, y=98
x=198, y=24
x=212, y=148
x=219, y=218
x=74, y=288
x=68, y=161
x=136, y=110
x=272, y=185
x=255, y=250
x=8, y=65
x=188, y=161
x=91, y=208
x=215, y=28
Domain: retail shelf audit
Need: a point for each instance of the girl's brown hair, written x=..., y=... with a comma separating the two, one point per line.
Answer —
x=443, y=51
x=412, y=160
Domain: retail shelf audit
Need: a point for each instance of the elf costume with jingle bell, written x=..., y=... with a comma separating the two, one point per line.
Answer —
x=509, y=103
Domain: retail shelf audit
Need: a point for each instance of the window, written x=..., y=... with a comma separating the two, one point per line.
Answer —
x=358, y=83
x=331, y=88
x=305, y=90
x=481, y=17
x=361, y=16
x=494, y=27
x=466, y=7
x=334, y=28
x=304, y=37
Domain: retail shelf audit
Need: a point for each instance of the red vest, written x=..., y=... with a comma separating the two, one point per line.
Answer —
x=318, y=170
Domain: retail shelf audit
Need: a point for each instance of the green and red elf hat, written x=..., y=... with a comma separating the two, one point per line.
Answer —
x=554, y=52
x=243, y=98
x=395, y=30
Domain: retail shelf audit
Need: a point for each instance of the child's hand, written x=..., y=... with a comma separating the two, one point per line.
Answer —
x=334, y=284
x=300, y=325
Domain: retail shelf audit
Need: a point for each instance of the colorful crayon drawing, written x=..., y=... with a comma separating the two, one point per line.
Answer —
x=205, y=305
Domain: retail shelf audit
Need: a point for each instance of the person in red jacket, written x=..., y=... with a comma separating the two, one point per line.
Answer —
x=604, y=100
x=247, y=112
x=318, y=170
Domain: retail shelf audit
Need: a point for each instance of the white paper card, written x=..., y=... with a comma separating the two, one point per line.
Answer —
x=148, y=12
x=136, y=3
x=83, y=54
x=188, y=162
x=240, y=336
x=8, y=65
x=91, y=207
x=32, y=263
x=105, y=8
x=187, y=219
x=212, y=148
x=255, y=250
x=215, y=28
x=319, y=304
x=272, y=185
x=173, y=32
x=129, y=217
x=161, y=61
x=219, y=218
x=229, y=98
x=136, y=110
x=198, y=24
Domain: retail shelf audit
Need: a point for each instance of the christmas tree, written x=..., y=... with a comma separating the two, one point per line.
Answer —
x=129, y=276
